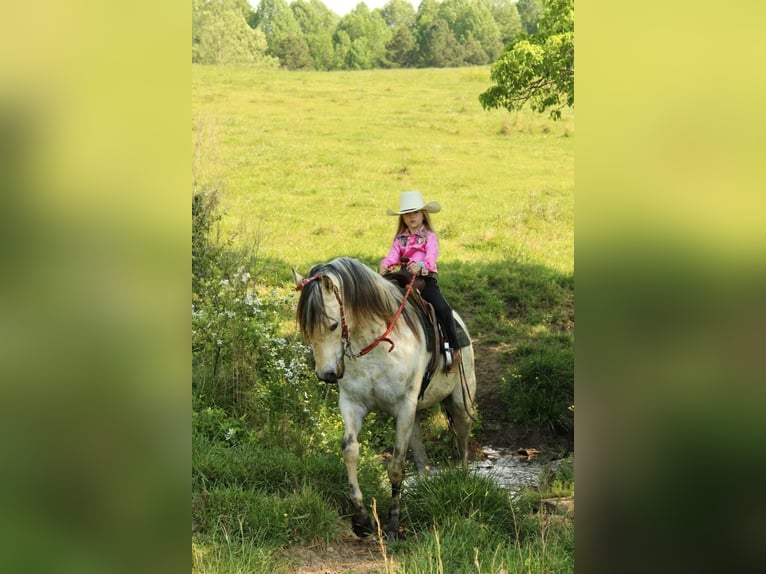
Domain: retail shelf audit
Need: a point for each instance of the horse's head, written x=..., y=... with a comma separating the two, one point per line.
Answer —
x=322, y=323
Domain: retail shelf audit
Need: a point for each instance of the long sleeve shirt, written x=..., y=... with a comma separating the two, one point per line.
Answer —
x=419, y=246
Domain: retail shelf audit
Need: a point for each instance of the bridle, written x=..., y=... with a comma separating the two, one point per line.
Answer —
x=384, y=337
x=344, y=326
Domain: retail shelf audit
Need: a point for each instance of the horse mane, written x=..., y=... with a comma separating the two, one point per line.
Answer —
x=366, y=296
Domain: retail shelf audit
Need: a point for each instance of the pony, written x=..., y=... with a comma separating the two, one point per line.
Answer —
x=368, y=339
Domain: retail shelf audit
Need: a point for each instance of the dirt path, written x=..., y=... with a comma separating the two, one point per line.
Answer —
x=348, y=554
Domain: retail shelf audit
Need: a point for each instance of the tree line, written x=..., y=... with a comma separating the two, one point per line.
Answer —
x=307, y=35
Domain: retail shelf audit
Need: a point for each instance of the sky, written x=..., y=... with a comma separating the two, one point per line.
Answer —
x=343, y=7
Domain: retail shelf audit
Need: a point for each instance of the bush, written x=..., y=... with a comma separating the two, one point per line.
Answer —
x=241, y=362
x=540, y=388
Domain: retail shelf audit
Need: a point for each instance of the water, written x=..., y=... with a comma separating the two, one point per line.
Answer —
x=505, y=467
x=509, y=470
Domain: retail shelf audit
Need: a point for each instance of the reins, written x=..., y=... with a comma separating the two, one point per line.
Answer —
x=344, y=325
x=384, y=336
x=465, y=390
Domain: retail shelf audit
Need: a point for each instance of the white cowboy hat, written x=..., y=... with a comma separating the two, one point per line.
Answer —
x=410, y=201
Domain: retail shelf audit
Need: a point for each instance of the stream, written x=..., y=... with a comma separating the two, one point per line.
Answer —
x=505, y=467
x=509, y=470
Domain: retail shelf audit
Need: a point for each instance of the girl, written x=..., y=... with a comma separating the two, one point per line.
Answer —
x=416, y=241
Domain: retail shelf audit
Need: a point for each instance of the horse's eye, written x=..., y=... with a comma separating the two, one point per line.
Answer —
x=333, y=326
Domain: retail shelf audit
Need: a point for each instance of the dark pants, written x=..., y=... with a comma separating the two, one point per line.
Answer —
x=433, y=295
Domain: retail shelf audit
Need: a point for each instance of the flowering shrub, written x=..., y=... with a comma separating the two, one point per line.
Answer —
x=242, y=360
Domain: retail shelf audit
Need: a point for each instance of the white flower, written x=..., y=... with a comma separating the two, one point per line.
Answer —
x=229, y=433
x=251, y=299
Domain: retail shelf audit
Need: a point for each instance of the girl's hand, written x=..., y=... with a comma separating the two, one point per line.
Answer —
x=384, y=269
x=414, y=268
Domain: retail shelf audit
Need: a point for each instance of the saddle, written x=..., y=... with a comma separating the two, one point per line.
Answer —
x=434, y=333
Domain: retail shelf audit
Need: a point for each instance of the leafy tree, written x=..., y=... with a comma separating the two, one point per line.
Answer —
x=538, y=69
x=221, y=35
x=507, y=18
x=473, y=18
x=529, y=12
x=198, y=22
x=473, y=52
x=426, y=15
x=317, y=22
x=439, y=47
x=247, y=11
x=361, y=38
x=480, y=22
x=276, y=21
x=398, y=13
x=294, y=53
x=402, y=50
x=342, y=44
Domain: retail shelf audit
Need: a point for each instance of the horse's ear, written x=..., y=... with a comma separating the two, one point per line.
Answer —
x=297, y=277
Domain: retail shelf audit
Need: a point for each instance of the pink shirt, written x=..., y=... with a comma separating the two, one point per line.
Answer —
x=420, y=246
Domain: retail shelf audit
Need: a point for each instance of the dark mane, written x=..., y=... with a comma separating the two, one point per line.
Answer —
x=366, y=296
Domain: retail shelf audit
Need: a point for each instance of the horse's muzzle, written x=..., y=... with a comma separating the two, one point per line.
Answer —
x=333, y=376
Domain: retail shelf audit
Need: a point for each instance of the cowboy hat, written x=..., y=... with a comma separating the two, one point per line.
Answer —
x=410, y=201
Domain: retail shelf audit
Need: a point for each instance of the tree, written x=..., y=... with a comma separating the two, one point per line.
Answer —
x=361, y=38
x=538, y=69
x=398, y=13
x=473, y=53
x=507, y=18
x=424, y=18
x=439, y=47
x=472, y=18
x=317, y=22
x=402, y=49
x=276, y=21
x=294, y=53
x=529, y=12
x=221, y=35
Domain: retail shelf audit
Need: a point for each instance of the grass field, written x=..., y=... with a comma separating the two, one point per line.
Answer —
x=304, y=165
x=307, y=162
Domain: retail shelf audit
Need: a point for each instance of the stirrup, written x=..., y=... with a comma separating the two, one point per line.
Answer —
x=447, y=357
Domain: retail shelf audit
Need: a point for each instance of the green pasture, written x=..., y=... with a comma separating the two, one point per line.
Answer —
x=306, y=163
x=291, y=169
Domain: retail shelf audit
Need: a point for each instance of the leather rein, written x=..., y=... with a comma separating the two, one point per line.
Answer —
x=344, y=326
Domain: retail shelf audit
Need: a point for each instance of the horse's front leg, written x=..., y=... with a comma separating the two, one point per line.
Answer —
x=416, y=446
x=405, y=420
x=361, y=522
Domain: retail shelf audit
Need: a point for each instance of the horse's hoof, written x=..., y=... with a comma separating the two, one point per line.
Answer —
x=363, y=526
x=393, y=534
